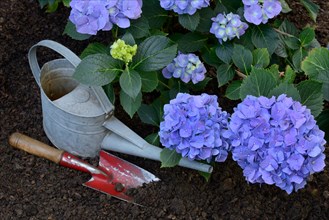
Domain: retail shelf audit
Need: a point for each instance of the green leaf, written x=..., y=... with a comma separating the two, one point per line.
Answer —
x=242, y=58
x=233, y=90
x=259, y=83
x=169, y=158
x=191, y=42
x=225, y=52
x=323, y=122
x=292, y=42
x=154, y=13
x=94, y=48
x=109, y=91
x=130, y=83
x=205, y=19
x=66, y=3
x=307, y=36
x=315, y=62
x=154, y=53
x=324, y=78
x=190, y=22
x=261, y=57
x=263, y=36
x=225, y=73
x=209, y=56
x=289, y=75
x=153, y=139
x=177, y=87
x=205, y=175
x=312, y=8
x=128, y=38
x=139, y=28
x=311, y=95
x=285, y=6
x=148, y=115
x=71, y=31
x=200, y=85
x=97, y=70
x=285, y=88
x=149, y=81
x=297, y=59
x=130, y=105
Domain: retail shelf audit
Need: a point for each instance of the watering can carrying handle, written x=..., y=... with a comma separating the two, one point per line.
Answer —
x=73, y=59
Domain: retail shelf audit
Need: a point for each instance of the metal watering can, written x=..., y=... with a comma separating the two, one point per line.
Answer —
x=79, y=119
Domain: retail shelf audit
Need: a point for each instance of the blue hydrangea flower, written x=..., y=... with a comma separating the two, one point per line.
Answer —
x=276, y=141
x=257, y=11
x=193, y=126
x=227, y=27
x=90, y=16
x=187, y=67
x=184, y=6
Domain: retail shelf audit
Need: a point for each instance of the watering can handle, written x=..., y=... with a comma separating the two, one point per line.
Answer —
x=73, y=59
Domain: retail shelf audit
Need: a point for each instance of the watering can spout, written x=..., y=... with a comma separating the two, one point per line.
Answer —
x=122, y=139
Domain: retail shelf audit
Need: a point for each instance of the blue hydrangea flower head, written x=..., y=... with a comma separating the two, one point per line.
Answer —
x=187, y=67
x=227, y=27
x=184, y=6
x=193, y=126
x=90, y=16
x=257, y=12
x=276, y=141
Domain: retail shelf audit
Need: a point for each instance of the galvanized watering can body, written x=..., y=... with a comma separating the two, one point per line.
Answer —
x=79, y=119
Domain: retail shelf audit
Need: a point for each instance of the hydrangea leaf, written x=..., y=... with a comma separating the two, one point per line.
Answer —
x=312, y=8
x=311, y=95
x=131, y=83
x=149, y=81
x=139, y=28
x=109, y=91
x=263, y=36
x=200, y=85
x=169, y=158
x=285, y=6
x=71, y=31
x=316, y=61
x=233, y=90
x=289, y=75
x=324, y=78
x=128, y=38
x=297, y=59
x=242, y=58
x=130, y=105
x=323, y=122
x=94, y=48
x=205, y=19
x=154, y=53
x=306, y=36
x=190, y=22
x=261, y=57
x=148, y=115
x=177, y=87
x=191, y=42
x=285, y=88
x=154, y=13
x=259, y=83
x=153, y=139
x=225, y=73
x=98, y=70
x=210, y=57
x=225, y=52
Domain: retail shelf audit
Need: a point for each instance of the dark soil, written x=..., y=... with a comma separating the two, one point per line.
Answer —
x=34, y=188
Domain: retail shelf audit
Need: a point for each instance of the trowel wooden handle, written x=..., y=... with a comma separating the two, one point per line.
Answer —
x=37, y=148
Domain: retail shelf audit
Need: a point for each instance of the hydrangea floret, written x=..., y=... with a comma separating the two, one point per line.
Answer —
x=90, y=16
x=260, y=11
x=187, y=67
x=193, y=126
x=185, y=6
x=227, y=27
x=276, y=141
x=122, y=51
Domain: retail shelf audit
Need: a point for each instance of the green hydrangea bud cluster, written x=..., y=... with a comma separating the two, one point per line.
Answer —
x=122, y=51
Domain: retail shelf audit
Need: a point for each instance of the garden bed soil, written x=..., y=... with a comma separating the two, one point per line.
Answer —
x=34, y=188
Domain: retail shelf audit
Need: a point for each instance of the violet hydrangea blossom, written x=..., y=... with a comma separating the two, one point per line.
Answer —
x=276, y=141
x=184, y=6
x=187, y=67
x=227, y=27
x=193, y=126
x=90, y=16
x=259, y=11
